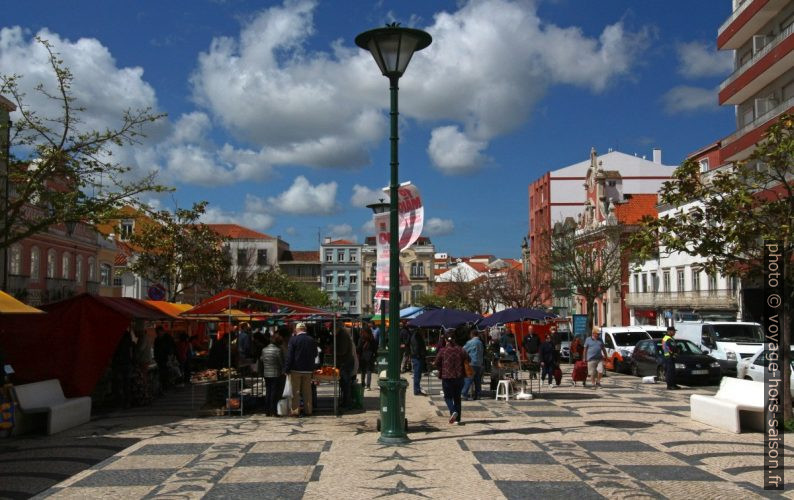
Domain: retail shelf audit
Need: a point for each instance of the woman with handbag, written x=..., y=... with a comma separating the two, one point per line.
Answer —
x=366, y=349
x=450, y=363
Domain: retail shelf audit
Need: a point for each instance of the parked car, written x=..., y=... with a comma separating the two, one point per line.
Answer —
x=565, y=349
x=691, y=364
x=656, y=332
x=619, y=341
x=754, y=367
x=728, y=341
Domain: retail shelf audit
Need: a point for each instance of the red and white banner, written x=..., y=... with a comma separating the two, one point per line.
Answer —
x=382, y=251
x=411, y=215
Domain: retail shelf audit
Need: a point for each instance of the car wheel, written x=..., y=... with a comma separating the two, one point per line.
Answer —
x=748, y=378
x=659, y=373
x=634, y=370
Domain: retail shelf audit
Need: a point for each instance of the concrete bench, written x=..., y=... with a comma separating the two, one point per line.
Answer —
x=737, y=403
x=47, y=397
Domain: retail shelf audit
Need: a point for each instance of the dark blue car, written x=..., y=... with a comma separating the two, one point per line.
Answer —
x=692, y=366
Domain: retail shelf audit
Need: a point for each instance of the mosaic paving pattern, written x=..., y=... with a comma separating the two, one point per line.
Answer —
x=272, y=469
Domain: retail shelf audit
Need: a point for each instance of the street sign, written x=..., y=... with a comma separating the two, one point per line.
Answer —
x=580, y=324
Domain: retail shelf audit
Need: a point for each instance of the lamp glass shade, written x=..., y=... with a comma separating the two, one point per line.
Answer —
x=393, y=47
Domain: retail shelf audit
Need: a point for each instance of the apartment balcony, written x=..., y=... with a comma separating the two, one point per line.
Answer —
x=741, y=143
x=702, y=299
x=748, y=17
x=419, y=277
x=17, y=283
x=92, y=287
x=772, y=57
x=59, y=289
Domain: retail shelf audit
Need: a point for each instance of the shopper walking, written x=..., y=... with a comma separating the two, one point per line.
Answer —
x=163, y=350
x=418, y=350
x=547, y=359
x=450, y=364
x=345, y=361
x=367, y=349
x=272, y=358
x=476, y=350
x=299, y=365
x=594, y=353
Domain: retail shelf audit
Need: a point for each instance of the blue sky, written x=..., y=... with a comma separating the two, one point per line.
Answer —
x=279, y=121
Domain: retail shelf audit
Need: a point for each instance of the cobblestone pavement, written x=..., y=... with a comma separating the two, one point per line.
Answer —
x=623, y=440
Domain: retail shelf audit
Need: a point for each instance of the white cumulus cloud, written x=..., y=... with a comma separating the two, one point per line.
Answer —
x=453, y=152
x=256, y=220
x=363, y=196
x=341, y=231
x=435, y=226
x=302, y=198
x=701, y=59
x=688, y=99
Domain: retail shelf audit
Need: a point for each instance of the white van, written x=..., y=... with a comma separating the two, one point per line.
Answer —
x=726, y=341
x=619, y=342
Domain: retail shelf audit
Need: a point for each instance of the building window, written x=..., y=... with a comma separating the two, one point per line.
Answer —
x=654, y=282
x=117, y=280
x=695, y=280
x=680, y=280
x=78, y=269
x=341, y=280
x=373, y=269
x=644, y=283
x=51, y=263
x=125, y=229
x=15, y=259
x=242, y=257
x=636, y=283
x=340, y=255
x=66, y=262
x=704, y=165
x=353, y=257
x=353, y=279
x=666, y=281
x=35, y=264
x=352, y=303
x=416, y=292
x=712, y=281
x=329, y=279
x=261, y=257
x=92, y=270
x=417, y=269
x=105, y=273
x=329, y=255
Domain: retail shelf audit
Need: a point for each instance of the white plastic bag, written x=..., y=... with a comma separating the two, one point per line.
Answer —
x=287, y=389
x=650, y=379
x=282, y=408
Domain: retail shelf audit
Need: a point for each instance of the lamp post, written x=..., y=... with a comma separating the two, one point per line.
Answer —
x=392, y=48
x=381, y=362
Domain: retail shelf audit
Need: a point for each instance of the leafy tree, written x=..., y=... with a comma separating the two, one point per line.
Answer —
x=588, y=262
x=458, y=293
x=65, y=174
x=517, y=290
x=276, y=284
x=725, y=218
x=181, y=252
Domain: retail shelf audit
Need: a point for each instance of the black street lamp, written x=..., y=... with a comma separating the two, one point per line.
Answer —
x=392, y=48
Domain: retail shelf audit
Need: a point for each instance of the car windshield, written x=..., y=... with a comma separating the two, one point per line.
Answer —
x=737, y=332
x=629, y=338
x=682, y=347
x=565, y=336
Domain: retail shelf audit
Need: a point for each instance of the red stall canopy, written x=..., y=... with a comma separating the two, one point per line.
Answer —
x=73, y=342
x=251, y=303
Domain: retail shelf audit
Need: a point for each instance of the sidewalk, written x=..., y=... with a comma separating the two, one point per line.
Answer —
x=623, y=440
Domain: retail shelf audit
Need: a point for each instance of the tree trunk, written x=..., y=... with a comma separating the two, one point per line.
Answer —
x=590, y=301
x=785, y=342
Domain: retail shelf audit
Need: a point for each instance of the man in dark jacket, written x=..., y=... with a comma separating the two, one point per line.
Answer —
x=164, y=348
x=547, y=359
x=273, y=371
x=299, y=365
x=346, y=364
x=450, y=363
x=531, y=345
x=418, y=351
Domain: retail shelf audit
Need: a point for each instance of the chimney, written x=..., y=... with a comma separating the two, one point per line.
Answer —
x=657, y=156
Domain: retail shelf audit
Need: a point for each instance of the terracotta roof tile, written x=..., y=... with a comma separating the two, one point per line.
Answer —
x=341, y=242
x=237, y=232
x=637, y=207
x=301, y=256
x=478, y=266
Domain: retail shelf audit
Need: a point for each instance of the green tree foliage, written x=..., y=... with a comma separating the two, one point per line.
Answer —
x=587, y=262
x=177, y=250
x=725, y=218
x=274, y=283
x=61, y=173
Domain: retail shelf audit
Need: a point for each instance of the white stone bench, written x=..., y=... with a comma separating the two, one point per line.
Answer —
x=737, y=403
x=47, y=397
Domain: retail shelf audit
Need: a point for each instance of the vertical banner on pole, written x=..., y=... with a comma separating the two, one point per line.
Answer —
x=382, y=251
x=411, y=215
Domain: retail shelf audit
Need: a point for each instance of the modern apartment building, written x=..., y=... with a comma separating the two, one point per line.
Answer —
x=761, y=86
x=302, y=266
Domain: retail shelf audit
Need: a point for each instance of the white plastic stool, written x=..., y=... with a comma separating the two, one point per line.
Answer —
x=503, y=390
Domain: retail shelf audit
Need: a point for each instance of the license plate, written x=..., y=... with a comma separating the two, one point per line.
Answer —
x=700, y=372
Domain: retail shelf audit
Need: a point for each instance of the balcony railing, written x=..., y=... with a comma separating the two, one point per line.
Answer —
x=92, y=287
x=777, y=110
x=736, y=13
x=17, y=282
x=714, y=299
x=757, y=56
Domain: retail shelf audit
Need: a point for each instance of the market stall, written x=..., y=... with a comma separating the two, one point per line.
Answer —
x=235, y=305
